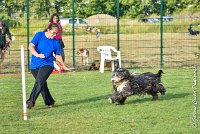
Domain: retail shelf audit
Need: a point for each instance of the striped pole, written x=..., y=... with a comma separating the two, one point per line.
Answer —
x=25, y=114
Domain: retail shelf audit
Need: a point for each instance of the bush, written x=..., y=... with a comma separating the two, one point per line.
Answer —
x=9, y=22
x=12, y=23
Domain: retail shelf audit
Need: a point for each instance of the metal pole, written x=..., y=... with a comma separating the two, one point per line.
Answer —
x=118, y=27
x=27, y=28
x=73, y=34
x=161, y=33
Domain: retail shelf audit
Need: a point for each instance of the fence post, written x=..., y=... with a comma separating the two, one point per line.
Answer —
x=118, y=26
x=27, y=28
x=73, y=34
x=161, y=33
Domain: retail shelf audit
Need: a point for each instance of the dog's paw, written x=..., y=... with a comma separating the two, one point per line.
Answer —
x=120, y=103
x=110, y=100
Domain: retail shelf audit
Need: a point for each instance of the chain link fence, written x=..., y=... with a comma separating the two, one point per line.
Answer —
x=140, y=41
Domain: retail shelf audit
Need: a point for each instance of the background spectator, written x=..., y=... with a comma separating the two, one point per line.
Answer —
x=55, y=19
x=4, y=31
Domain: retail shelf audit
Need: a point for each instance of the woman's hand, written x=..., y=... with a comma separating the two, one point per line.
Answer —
x=33, y=51
x=68, y=69
x=65, y=68
x=40, y=56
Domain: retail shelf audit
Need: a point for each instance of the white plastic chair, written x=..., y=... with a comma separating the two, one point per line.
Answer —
x=106, y=55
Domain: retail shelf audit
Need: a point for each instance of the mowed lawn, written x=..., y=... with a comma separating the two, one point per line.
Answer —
x=82, y=106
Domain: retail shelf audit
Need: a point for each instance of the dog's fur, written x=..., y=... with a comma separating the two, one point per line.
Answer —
x=96, y=65
x=84, y=53
x=126, y=84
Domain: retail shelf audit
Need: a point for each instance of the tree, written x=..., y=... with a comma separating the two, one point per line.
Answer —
x=10, y=7
x=40, y=7
x=86, y=8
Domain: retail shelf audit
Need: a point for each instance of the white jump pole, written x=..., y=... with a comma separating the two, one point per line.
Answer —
x=25, y=114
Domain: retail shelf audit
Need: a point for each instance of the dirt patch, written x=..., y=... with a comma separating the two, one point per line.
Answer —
x=189, y=15
x=101, y=19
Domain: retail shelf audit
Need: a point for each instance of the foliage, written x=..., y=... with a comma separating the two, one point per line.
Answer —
x=12, y=6
x=85, y=8
x=10, y=22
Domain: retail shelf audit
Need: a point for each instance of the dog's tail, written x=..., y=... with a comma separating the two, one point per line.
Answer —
x=160, y=72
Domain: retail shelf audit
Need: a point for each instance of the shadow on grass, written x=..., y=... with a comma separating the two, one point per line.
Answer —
x=86, y=100
x=76, y=102
x=168, y=96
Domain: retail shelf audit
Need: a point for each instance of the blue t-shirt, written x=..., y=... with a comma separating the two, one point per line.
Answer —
x=45, y=46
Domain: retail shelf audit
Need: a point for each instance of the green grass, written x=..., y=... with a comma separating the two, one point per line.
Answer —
x=82, y=106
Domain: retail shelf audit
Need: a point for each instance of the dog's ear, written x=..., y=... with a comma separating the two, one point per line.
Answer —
x=117, y=70
x=160, y=72
x=79, y=51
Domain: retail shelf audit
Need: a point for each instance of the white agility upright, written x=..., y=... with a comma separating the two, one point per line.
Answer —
x=23, y=84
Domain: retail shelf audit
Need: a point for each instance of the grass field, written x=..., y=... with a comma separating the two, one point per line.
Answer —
x=82, y=106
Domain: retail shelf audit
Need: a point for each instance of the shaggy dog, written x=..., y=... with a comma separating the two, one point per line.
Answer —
x=84, y=55
x=126, y=84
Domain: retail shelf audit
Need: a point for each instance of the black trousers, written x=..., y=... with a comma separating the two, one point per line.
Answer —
x=41, y=75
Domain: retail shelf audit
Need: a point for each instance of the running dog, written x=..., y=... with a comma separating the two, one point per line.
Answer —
x=84, y=53
x=126, y=84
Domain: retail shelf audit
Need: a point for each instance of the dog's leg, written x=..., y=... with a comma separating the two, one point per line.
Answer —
x=122, y=100
x=110, y=100
x=155, y=96
x=87, y=60
x=117, y=97
x=161, y=89
x=82, y=60
x=113, y=98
